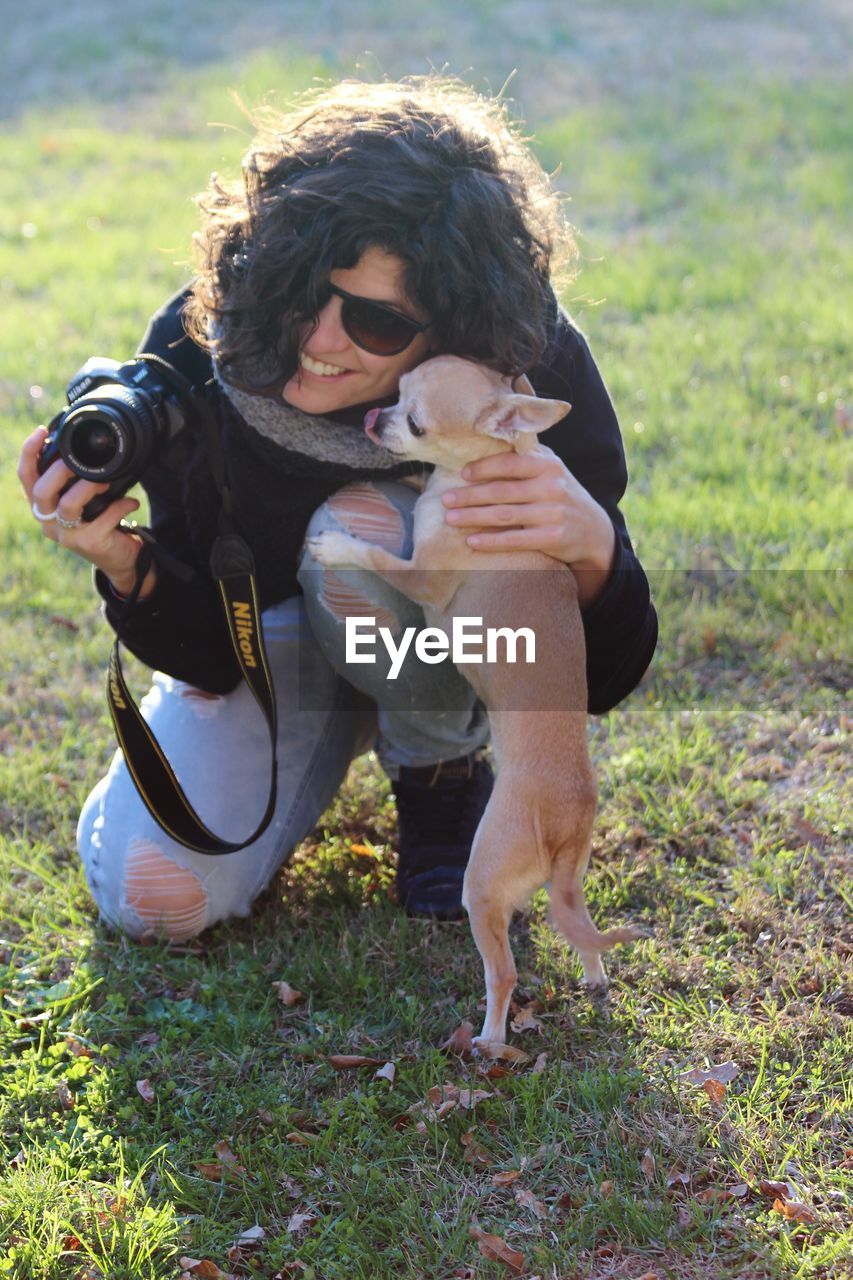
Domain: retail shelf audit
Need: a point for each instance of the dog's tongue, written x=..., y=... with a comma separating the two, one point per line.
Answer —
x=369, y=419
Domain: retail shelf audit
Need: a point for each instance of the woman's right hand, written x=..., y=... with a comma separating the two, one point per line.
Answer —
x=102, y=542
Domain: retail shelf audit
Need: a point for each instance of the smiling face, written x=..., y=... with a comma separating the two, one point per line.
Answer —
x=334, y=372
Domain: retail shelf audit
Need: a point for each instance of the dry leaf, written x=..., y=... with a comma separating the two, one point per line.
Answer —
x=474, y=1153
x=647, y=1164
x=539, y=1064
x=79, y=1050
x=494, y=1071
x=298, y=1222
x=302, y=1139
x=676, y=1179
x=204, y=1269
x=715, y=1091
x=527, y=1200
x=444, y=1098
x=505, y=1177
x=795, y=1210
x=251, y=1236
x=190, y=992
x=224, y=1152
x=346, y=1061
x=145, y=1090
x=567, y=1202
x=460, y=1041
x=810, y=833
x=366, y=850
x=713, y=1195
x=150, y=1037
x=607, y=1187
x=65, y=1096
x=774, y=1189
x=287, y=994
x=497, y=1250
x=725, y=1073
x=215, y=1170
x=468, y=1098
x=495, y=1052
x=525, y=1019
x=388, y=1072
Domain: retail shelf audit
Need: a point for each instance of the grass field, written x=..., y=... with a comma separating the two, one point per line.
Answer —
x=159, y=1103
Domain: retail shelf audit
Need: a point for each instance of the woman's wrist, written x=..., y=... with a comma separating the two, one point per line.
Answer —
x=592, y=571
x=123, y=581
x=123, y=584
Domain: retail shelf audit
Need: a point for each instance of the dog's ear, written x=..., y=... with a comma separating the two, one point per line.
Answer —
x=509, y=416
x=522, y=385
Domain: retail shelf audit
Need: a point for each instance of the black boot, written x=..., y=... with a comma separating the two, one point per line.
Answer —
x=439, y=808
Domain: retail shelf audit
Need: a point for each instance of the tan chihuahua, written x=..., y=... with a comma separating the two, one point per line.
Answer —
x=538, y=822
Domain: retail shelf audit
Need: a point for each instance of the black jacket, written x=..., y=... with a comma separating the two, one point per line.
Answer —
x=180, y=628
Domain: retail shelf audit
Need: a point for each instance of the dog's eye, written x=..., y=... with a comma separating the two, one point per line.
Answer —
x=413, y=426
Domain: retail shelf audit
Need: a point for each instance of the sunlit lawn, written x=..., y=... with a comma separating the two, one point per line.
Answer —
x=717, y=257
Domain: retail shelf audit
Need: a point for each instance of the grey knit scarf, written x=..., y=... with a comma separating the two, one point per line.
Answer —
x=308, y=434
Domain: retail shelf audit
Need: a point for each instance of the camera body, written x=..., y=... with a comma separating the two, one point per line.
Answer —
x=118, y=419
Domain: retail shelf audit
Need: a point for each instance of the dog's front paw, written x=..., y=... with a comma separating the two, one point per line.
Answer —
x=333, y=549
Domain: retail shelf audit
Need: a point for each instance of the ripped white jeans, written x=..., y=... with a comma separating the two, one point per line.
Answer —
x=328, y=713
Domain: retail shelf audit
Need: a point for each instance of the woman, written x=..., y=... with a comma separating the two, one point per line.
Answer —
x=375, y=225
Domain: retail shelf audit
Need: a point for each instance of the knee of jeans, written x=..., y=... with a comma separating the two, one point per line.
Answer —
x=365, y=512
x=203, y=704
x=159, y=896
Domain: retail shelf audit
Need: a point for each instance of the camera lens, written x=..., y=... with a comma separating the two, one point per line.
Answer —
x=95, y=442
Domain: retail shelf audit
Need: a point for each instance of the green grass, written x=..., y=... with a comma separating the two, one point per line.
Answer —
x=717, y=257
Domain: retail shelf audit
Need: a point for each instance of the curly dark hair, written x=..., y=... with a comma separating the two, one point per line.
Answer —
x=424, y=168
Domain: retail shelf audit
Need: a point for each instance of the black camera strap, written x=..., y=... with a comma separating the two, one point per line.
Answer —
x=233, y=567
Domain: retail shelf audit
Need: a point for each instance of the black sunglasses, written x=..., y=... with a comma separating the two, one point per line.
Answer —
x=374, y=326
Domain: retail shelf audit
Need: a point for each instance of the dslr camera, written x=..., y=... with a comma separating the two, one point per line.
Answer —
x=118, y=419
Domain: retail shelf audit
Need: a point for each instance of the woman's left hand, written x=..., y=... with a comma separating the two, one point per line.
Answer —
x=532, y=502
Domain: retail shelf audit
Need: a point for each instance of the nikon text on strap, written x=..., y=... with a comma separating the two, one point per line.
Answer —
x=232, y=565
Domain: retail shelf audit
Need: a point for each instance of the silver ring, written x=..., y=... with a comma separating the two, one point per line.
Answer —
x=68, y=524
x=42, y=515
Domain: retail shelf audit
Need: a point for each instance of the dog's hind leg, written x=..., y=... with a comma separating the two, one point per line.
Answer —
x=571, y=916
x=500, y=877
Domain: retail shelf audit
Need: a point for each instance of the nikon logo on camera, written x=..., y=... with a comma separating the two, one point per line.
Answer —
x=245, y=631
